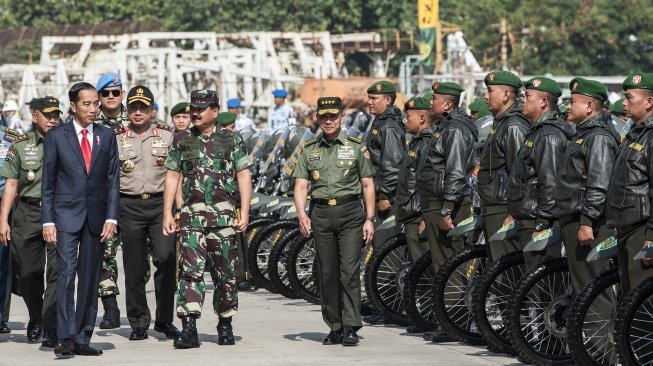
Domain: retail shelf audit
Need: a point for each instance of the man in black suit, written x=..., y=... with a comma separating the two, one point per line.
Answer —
x=80, y=194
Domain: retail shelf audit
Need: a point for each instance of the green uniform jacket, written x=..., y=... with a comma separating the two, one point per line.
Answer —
x=23, y=162
x=334, y=168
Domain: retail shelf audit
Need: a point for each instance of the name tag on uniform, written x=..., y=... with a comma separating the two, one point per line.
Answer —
x=636, y=146
x=528, y=143
x=159, y=144
x=315, y=158
x=345, y=153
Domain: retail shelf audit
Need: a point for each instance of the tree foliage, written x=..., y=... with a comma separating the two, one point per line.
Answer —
x=547, y=36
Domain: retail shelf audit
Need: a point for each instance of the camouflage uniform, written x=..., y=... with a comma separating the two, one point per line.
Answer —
x=209, y=166
x=109, y=273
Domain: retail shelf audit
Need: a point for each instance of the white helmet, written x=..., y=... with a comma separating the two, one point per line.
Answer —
x=10, y=105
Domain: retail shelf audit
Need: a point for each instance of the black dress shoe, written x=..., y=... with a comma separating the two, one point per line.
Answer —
x=63, y=351
x=51, y=339
x=4, y=327
x=34, y=331
x=170, y=331
x=334, y=337
x=247, y=286
x=138, y=334
x=440, y=337
x=86, y=350
x=349, y=337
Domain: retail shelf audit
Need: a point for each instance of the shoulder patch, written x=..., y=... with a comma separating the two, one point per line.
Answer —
x=162, y=126
x=355, y=139
x=311, y=142
x=23, y=137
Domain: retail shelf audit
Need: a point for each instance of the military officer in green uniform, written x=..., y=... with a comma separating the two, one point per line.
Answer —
x=339, y=170
x=180, y=114
x=629, y=199
x=32, y=257
x=112, y=114
x=409, y=212
x=209, y=161
x=478, y=109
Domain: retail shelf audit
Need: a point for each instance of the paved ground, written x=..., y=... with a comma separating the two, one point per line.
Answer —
x=270, y=330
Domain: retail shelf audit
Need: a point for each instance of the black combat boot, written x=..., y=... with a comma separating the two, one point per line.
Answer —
x=225, y=332
x=111, y=318
x=188, y=337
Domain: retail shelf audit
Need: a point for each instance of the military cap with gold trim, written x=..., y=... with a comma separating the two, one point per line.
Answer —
x=45, y=105
x=543, y=84
x=226, y=118
x=382, y=87
x=447, y=88
x=639, y=80
x=500, y=77
x=418, y=104
x=329, y=105
x=140, y=94
x=590, y=88
x=180, y=108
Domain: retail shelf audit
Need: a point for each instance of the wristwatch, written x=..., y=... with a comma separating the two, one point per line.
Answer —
x=372, y=219
x=444, y=212
x=540, y=226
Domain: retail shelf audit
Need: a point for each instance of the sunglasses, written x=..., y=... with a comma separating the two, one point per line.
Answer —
x=115, y=92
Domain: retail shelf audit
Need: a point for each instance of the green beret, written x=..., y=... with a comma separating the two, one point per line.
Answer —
x=638, y=80
x=618, y=107
x=382, y=87
x=503, y=78
x=447, y=88
x=418, y=104
x=226, y=118
x=545, y=85
x=590, y=88
x=477, y=105
x=179, y=108
x=428, y=96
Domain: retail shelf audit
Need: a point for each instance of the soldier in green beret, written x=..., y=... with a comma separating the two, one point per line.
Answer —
x=34, y=261
x=617, y=109
x=499, y=154
x=339, y=170
x=385, y=142
x=478, y=109
x=180, y=114
x=533, y=175
x=227, y=120
x=582, y=187
x=443, y=174
x=630, y=190
x=418, y=124
x=208, y=222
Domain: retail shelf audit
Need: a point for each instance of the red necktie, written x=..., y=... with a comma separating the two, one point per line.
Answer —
x=86, y=150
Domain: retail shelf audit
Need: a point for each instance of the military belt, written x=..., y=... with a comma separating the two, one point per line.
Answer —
x=336, y=200
x=142, y=196
x=31, y=201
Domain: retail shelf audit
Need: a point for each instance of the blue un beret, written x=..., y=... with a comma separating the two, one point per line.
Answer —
x=108, y=80
x=279, y=93
x=233, y=103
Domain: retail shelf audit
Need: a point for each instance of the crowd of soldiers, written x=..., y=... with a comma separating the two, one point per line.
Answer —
x=538, y=167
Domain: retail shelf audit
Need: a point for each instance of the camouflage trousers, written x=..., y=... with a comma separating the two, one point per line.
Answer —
x=216, y=248
x=109, y=272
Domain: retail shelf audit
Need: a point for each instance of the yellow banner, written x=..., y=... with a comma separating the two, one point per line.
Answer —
x=428, y=13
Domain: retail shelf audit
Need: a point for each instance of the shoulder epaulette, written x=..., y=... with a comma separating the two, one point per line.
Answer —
x=162, y=126
x=118, y=129
x=11, y=131
x=23, y=137
x=311, y=142
x=355, y=139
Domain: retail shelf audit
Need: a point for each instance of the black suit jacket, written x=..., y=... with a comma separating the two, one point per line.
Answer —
x=70, y=196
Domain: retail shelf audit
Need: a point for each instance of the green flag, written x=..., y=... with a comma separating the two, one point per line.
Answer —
x=427, y=47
